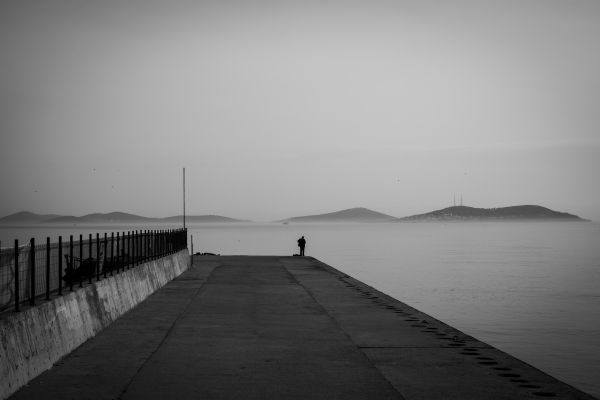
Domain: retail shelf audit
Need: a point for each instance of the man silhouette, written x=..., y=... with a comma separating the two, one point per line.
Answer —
x=301, y=244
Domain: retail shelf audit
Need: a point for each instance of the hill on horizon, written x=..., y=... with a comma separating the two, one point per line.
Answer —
x=26, y=217
x=461, y=213
x=100, y=217
x=203, y=218
x=357, y=214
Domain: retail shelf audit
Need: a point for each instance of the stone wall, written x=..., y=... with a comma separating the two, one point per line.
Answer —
x=33, y=340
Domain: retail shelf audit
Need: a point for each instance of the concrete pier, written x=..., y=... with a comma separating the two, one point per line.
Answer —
x=284, y=328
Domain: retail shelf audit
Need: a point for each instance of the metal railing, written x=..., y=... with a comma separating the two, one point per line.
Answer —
x=34, y=272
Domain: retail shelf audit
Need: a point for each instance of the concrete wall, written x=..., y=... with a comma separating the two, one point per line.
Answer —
x=33, y=340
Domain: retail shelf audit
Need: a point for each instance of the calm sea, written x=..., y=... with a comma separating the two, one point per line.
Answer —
x=531, y=289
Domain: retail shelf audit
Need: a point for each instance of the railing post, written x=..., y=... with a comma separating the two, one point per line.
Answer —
x=112, y=253
x=70, y=265
x=105, y=254
x=80, y=260
x=130, y=258
x=60, y=250
x=97, y=256
x=150, y=245
x=32, y=271
x=17, y=275
x=91, y=265
x=142, y=247
x=124, y=249
x=118, y=253
x=141, y=241
x=47, y=268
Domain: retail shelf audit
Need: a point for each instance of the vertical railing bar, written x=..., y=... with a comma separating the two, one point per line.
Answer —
x=80, y=260
x=60, y=251
x=17, y=275
x=47, y=268
x=140, y=245
x=97, y=256
x=118, y=253
x=32, y=271
x=105, y=255
x=70, y=265
x=130, y=247
x=112, y=253
x=90, y=258
x=124, y=250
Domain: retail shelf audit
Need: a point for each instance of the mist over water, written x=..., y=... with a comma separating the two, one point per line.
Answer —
x=528, y=288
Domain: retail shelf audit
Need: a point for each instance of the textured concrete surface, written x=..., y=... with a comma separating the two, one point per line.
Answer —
x=280, y=328
x=33, y=340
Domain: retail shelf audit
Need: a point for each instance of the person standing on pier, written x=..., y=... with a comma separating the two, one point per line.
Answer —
x=301, y=244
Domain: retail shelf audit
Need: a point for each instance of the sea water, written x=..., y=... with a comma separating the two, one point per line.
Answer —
x=531, y=289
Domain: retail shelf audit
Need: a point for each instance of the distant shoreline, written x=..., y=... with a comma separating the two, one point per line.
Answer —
x=351, y=215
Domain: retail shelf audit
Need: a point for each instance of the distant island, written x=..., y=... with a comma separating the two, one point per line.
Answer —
x=456, y=213
x=464, y=213
x=351, y=215
x=26, y=217
x=357, y=214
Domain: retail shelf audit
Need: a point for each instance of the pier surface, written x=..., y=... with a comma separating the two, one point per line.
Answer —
x=236, y=327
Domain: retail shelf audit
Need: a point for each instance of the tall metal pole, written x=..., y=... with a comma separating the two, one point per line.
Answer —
x=184, y=198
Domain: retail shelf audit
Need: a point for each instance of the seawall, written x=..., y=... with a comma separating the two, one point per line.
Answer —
x=33, y=340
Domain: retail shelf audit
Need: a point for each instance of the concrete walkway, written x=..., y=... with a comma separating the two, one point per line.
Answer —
x=284, y=328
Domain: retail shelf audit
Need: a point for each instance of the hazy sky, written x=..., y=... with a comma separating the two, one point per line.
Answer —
x=281, y=108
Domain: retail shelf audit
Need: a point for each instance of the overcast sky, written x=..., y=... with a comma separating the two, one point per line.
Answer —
x=282, y=108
